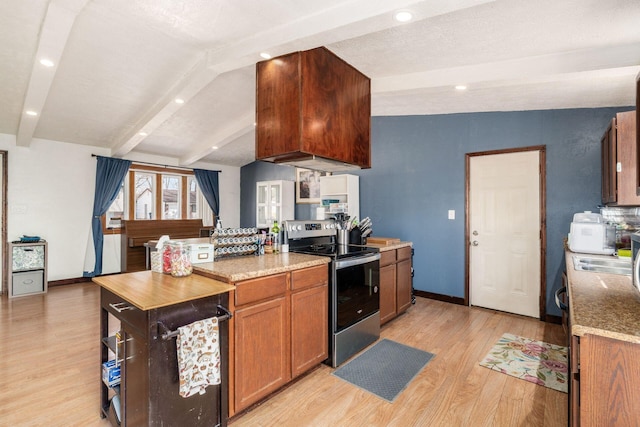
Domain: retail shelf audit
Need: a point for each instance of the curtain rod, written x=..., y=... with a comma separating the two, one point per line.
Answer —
x=152, y=164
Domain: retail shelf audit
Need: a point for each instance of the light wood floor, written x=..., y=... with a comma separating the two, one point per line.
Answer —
x=49, y=371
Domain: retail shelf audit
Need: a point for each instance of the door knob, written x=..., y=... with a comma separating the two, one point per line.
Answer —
x=475, y=232
x=474, y=243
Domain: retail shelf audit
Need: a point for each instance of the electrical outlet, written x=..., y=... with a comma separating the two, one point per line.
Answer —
x=452, y=214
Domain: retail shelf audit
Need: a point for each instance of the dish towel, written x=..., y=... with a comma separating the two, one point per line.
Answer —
x=198, y=356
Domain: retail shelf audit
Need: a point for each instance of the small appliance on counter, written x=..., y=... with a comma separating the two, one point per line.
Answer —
x=590, y=234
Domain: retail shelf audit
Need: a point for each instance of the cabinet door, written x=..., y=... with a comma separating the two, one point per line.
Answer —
x=609, y=174
x=609, y=377
x=627, y=158
x=403, y=285
x=262, y=204
x=387, y=293
x=309, y=328
x=262, y=351
x=134, y=379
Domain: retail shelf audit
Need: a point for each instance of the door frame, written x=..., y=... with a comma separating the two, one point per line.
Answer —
x=542, y=149
x=3, y=234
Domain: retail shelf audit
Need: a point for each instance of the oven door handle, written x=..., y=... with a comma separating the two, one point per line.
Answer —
x=350, y=262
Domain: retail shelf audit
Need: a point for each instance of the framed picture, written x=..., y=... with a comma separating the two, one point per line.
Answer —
x=308, y=185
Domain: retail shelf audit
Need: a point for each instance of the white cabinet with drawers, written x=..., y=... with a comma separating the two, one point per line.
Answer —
x=28, y=262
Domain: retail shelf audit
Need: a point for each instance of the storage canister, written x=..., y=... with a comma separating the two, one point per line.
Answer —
x=181, y=260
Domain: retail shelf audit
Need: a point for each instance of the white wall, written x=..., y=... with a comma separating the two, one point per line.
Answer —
x=50, y=194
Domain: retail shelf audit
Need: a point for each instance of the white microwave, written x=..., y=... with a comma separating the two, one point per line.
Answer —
x=635, y=259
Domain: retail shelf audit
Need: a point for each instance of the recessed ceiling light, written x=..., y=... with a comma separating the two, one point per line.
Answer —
x=143, y=134
x=179, y=101
x=46, y=62
x=31, y=113
x=265, y=55
x=403, y=16
x=461, y=87
x=215, y=147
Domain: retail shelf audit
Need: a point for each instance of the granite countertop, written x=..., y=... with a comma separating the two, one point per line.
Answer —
x=602, y=304
x=236, y=269
x=384, y=248
x=148, y=290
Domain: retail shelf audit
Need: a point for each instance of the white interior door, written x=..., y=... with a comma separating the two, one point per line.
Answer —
x=3, y=221
x=504, y=220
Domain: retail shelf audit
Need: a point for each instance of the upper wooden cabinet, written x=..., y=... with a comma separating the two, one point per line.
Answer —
x=312, y=103
x=619, y=161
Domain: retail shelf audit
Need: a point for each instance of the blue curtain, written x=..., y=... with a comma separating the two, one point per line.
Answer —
x=109, y=175
x=208, y=182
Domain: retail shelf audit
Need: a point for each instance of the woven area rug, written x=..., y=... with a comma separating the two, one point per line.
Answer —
x=384, y=369
x=534, y=361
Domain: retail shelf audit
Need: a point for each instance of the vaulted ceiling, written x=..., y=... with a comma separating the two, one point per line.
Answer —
x=119, y=65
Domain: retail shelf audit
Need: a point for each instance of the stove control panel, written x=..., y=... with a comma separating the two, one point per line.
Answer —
x=311, y=228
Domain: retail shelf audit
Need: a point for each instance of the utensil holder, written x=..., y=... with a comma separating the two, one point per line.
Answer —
x=343, y=237
x=355, y=237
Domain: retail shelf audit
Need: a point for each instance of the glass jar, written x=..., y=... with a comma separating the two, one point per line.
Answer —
x=166, y=256
x=181, y=260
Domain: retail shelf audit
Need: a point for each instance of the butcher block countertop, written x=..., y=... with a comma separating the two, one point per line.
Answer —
x=148, y=290
x=236, y=269
x=602, y=304
x=390, y=246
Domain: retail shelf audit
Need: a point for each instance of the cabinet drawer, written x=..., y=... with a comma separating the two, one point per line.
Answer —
x=27, y=257
x=404, y=253
x=124, y=311
x=28, y=282
x=259, y=289
x=387, y=257
x=309, y=277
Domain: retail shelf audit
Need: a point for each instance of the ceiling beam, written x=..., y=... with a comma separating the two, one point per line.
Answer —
x=224, y=136
x=189, y=85
x=56, y=27
x=537, y=68
x=320, y=28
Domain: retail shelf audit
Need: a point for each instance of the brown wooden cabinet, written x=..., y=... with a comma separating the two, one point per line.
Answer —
x=281, y=331
x=309, y=319
x=403, y=279
x=395, y=283
x=619, y=161
x=312, y=103
x=605, y=377
x=387, y=286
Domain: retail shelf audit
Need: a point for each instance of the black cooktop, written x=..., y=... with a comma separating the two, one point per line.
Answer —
x=334, y=250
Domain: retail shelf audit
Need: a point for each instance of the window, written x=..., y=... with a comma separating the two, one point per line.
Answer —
x=195, y=199
x=155, y=193
x=144, y=195
x=171, y=205
x=115, y=214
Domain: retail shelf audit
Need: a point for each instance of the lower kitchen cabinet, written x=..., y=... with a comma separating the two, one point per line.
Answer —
x=281, y=331
x=309, y=319
x=387, y=286
x=395, y=282
x=403, y=279
x=607, y=374
x=262, y=365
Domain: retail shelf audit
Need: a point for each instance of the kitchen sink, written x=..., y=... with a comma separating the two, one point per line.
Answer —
x=603, y=265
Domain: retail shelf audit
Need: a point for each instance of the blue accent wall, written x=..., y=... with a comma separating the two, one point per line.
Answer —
x=418, y=174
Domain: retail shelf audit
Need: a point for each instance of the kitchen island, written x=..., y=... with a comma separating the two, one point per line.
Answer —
x=279, y=328
x=150, y=307
x=604, y=328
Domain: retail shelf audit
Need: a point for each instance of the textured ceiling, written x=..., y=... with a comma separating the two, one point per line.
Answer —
x=119, y=64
